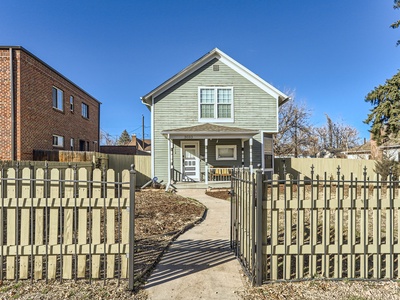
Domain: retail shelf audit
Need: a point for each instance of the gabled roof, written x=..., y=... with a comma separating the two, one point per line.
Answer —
x=221, y=56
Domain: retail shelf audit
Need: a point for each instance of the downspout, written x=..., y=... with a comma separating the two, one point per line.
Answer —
x=12, y=105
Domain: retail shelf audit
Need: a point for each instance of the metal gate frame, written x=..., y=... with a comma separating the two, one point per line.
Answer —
x=246, y=221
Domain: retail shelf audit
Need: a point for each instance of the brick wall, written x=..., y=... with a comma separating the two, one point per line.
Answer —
x=36, y=119
x=5, y=105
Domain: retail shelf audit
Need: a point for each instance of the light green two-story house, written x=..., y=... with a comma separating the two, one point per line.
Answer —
x=213, y=115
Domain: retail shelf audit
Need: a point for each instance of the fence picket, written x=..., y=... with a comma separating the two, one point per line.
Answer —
x=110, y=223
x=39, y=224
x=125, y=223
x=82, y=221
x=96, y=223
x=53, y=224
x=274, y=229
x=11, y=224
x=25, y=223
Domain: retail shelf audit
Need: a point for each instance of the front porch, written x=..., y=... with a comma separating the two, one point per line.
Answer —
x=205, y=154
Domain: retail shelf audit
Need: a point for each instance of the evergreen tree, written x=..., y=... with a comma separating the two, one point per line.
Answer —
x=124, y=138
x=385, y=116
x=397, y=23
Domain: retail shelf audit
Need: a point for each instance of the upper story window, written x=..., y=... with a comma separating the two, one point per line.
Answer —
x=71, y=103
x=58, y=99
x=85, y=110
x=216, y=104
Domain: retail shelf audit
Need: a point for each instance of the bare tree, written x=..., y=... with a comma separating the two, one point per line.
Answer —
x=336, y=135
x=107, y=139
x=295, y=132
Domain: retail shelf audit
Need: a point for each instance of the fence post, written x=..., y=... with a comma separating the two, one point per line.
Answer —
x=132, y=187
x=259, y=225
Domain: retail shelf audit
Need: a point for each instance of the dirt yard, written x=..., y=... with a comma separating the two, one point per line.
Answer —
x=160, y=216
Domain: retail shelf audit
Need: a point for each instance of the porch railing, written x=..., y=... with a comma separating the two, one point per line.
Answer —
x=218, y=174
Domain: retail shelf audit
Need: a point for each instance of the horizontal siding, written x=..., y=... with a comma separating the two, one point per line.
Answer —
x=178, y=107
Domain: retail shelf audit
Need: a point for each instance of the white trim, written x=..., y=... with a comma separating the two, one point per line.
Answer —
x=59, y=137
x=218, y=147
x=216, y=53
x=215, y=119
x=152, y=108
x=169, y=161
x=197, y=154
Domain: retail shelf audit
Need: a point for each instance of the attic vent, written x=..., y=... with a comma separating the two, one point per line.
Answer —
x=215, y=67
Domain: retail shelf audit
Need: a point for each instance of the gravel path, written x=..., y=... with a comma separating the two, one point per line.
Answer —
x=199, y=264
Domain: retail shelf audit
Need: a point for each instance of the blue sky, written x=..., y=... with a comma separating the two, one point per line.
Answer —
x=331, y=53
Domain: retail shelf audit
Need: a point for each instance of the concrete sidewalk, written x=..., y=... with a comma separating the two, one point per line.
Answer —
x=199, y=264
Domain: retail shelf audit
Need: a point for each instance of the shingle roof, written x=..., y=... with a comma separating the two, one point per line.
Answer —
x=211, y=129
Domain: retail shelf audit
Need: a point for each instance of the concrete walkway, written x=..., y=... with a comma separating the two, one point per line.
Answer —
x=199, y=264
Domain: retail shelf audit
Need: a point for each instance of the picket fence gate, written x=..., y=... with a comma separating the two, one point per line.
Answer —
x=319, y=227
x=68, y=224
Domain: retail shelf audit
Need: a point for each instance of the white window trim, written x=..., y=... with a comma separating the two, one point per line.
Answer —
x=215, y=119
x=218, y=147
x=263, y=153
x=87, y=110
x=60, y=141
x=57, y=99
x=71, y=103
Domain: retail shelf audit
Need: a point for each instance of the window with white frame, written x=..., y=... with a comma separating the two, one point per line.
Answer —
x=58, y=99
x=226, y=152
x=268, y=151
x=72, y=143
x=71, y=103
x=215, y=104
x=58, y=141
x=85, y=110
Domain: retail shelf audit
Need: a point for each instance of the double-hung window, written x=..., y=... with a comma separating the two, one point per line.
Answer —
x=85, y=110
x=216, y=104
x=58, y=99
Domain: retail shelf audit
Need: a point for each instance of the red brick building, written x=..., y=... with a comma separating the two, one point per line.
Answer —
x=41, y=109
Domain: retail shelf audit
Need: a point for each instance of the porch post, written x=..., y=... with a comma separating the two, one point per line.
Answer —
x=172, y=161
x=242, y=153
x=251, y=154
x=206, y=160
x=169, y=162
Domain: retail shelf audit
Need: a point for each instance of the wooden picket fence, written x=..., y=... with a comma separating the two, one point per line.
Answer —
x=63, y=225
x=300, y=228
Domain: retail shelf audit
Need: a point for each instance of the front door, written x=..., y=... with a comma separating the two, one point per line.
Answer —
x=190, y=161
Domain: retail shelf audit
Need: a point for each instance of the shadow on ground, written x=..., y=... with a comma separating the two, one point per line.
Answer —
x=188, y=257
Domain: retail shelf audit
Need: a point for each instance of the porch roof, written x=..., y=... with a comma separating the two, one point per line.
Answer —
x=208, y=130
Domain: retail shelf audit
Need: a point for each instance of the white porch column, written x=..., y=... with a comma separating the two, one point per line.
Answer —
x=172, y=160
x=169, y=163
x=242, y=153
x=251, y=154
x=206, y=160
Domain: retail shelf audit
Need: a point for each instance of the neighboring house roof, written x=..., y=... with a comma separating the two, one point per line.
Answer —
x=211, y=131
x=364, y=148
x=216, y=53
x=394, y=143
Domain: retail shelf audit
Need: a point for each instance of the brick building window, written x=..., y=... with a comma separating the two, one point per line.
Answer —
x=71, y=103
x=85, y=110
x=58, y=99
x=58, y=141
x=72, y=142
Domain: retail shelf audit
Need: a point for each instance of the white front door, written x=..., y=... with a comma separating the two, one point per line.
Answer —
x=190, y=161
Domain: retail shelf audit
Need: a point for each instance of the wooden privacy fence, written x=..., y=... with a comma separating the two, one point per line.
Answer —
x=65, y=225
x=297, y=228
